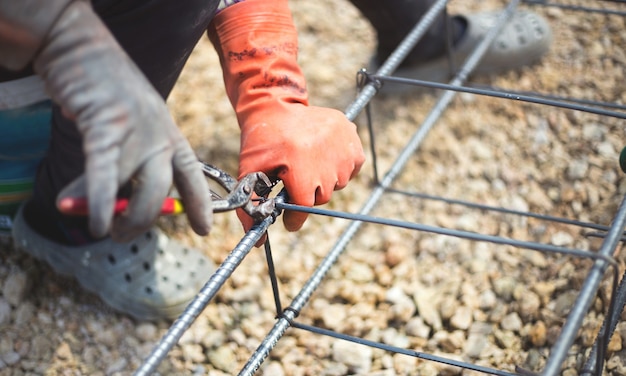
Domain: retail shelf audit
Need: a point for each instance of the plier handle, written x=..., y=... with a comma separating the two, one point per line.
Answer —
x=240, y=195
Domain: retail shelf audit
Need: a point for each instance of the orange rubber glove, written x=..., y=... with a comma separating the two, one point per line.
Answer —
x=313, y=150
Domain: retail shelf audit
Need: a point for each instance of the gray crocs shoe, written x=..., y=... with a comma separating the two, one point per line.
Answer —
x=151, y=277
x=522, y=41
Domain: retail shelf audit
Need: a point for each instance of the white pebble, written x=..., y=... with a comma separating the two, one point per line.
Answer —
x=462, y=318
x=417, y=328
x=358, y=358
x=476, y=343
x=117, y=366
x=487, y=299
x=10, y=357
x=146, y=332
x=5, y=312
x=15, y=286
x=274, y=369
x=562, y=239
x=511, y=322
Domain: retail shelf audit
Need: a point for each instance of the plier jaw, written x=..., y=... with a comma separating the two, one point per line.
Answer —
x=241, y=194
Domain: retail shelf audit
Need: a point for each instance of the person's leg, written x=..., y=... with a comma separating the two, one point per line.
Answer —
x=522, y=41
x=394, y=19
x=158, y=35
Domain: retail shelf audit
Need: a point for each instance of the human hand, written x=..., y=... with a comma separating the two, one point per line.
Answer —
x=128, y=133
x=313, y=150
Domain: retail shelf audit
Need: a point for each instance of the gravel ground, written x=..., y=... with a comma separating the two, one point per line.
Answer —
x=491, y=305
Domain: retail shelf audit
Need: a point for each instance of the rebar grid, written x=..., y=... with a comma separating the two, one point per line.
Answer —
x=603, y=260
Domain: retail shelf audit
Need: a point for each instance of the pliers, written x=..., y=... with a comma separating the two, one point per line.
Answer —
x=240, y=192
x=240, y=195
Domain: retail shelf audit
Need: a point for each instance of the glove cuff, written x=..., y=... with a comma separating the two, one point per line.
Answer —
x=252, y=16
x=257, y=43
x=24, y=25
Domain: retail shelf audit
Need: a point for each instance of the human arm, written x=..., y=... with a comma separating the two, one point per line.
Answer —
x=128, y=133
x=313, y=150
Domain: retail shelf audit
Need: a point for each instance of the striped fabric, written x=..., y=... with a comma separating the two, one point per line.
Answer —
x=24, y=135
x=12, y=194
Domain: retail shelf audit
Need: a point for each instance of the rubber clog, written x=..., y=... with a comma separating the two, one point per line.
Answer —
x=523, y=40
x=152, y=277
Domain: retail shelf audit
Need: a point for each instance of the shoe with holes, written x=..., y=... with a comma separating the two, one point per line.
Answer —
x=522, y=41
x=150, y=278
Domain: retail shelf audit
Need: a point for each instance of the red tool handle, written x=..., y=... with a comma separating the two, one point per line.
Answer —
x=79, y=206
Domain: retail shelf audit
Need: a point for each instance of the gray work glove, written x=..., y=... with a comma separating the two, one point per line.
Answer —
x=128, y=133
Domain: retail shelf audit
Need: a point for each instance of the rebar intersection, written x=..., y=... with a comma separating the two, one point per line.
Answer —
x=603, y=259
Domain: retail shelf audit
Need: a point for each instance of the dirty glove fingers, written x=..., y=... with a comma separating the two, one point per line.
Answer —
x=293, y=220
x=315, y=186
x=300, y=192
x=354, y=159
x=193, y=189
x=344, y=175
x=102, y=186
x=150, y=187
